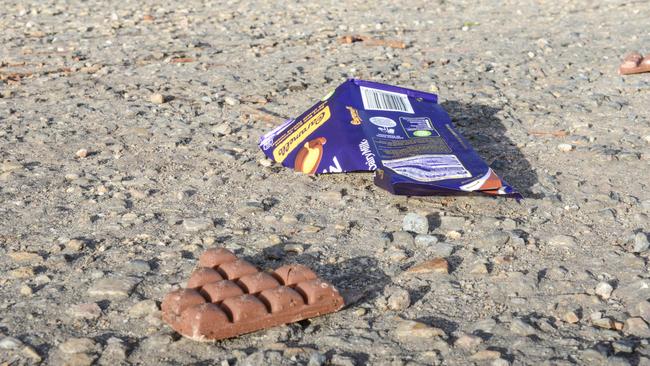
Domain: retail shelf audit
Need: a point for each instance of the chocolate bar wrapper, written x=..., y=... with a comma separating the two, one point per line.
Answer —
x=403, y=135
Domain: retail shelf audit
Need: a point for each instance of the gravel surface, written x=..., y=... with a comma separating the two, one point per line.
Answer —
x=128, y=145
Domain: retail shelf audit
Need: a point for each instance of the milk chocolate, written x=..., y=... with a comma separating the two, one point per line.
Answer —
x=634, y=63
x=227, y=296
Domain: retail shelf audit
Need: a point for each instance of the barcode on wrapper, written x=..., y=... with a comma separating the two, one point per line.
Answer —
x=381, y=100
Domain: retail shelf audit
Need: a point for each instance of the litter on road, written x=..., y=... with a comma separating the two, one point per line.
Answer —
x=403, y=135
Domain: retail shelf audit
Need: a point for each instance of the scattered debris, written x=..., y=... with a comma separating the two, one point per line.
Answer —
x=81, y=153
x=634, y=63
x=157, y=98
x=560, y=133
x=181, y=60
x=436, y=265
x=370, y=41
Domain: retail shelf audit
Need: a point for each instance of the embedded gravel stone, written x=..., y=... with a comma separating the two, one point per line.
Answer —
x=197, y=224
x=415, y=223
x=562, y=241
x=642, y=309
x=397, y=298
x=439, y=249
x=522, y=328
x=425, y=240
x=492, y=241
x=116, y=287
x=641, y=242
x=467, y=341
x=637, y=327
x=86, y=310
x=77, y=345
x=409, y=329
x=436, y=265
x=10, y=343
x=604, y=290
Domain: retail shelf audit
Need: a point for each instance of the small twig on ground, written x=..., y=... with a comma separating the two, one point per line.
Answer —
x=179, y=60
x=17, y=76
x=369, y=41
x=560, y=133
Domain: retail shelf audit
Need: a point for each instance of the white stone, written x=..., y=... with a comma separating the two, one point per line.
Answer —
x=197, y=224
x=604, y=290
x=116, y=287
x=416, y=223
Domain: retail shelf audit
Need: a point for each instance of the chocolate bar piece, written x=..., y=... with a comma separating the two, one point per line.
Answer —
x=634, y=63
x=227, y=296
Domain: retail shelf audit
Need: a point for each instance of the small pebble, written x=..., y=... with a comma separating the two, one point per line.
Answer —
x=316, y=359
x=562, y=241
x=114, y=353
x=642, y=309
x=636, y=327
x=25, y=257
x=571, y=317
x=113, y=288
x=221, y=129
x=75, y=245
x=294, y=248
x=197, y=224
x=623, y=346
x=9, y=166
x=605, y=323
x=409, y=329
x=396, y=254
x=143, y=308
x=31, y=353
x=425, y=240
x=436, y=265
x=157, y=98
x=467, y=341
x=439, y=250
x=77, y=345
x=486, y=354
x=360, y=312
x=500, y=362
x=10, y=343
x=265, y=162
x=85, y=311
x=230, y=100
x=604, y=290
x=641, y=243
x=479, y=268
x=403, y=239
x=565, y=147
x=397, y=298
x=22, y=272
x=416, y=223
x=340, y=360
x=522, y=328
x=26, y=290
x=81, y=153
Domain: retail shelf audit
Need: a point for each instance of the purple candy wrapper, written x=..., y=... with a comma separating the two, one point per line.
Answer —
x=403, y=135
